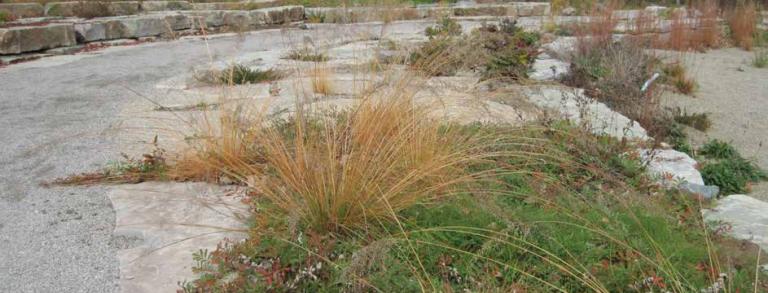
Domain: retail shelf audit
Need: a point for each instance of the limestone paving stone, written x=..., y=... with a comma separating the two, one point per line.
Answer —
x=746, y=216
x=163, y=224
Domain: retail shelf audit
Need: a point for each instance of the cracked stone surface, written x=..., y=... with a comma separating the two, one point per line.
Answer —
x=746, y=215
x=671, y=166
x=547, y=68
x=166, y=223
x=572, y=104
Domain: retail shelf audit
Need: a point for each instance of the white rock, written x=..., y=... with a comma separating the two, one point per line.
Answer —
x=562, y=46
x=572, y=104
x=747, y=216
x=547, y=68
x=671, y=167
x=568, y=11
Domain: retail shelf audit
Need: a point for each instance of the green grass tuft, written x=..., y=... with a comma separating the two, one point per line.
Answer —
x=307, y=55
x=717, y=149
x=728, y=169
x=241, y=74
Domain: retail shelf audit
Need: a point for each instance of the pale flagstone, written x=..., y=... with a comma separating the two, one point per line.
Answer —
x=163, y=224
x=547, y=68
x=671, y=166
x=674, y=169
x=573, y=105
x=747, y=216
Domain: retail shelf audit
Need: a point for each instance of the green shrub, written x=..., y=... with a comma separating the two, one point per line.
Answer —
x=5, y=16
x=761, y=58
x=732, y=175
x=728, y=169
x=678, y=139
x=440, y=56
x=241, y=74
x=614, y=73
x=717, y=149
x=511, y=51
x=568, y=222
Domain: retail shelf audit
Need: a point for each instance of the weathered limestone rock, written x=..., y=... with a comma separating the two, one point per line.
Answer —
x=244, y=19
x=210, y=18
x=284, y=14
x=259, y=4
x=69, y=9
x=217, y=6
x=237, y=19
x=671, y=167
x=22, y=39
x=568, y=11
x=572, y=104
x=532, y=9
x=562, y=46
x=21, y=10
x=165, y=5
x=478, y=10
x=547, y=68
x=130, y=27
x=705, y=191
x=258, y=17
x=160, y=226
x=747, y=216
x=124, y=7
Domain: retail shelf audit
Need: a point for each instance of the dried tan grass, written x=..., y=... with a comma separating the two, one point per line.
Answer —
x=679, y=33
x=707, y=23
x=742, y=19
x=320, y=76
x=343, y=171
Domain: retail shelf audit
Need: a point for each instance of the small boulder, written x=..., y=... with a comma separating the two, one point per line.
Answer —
x=568, y=11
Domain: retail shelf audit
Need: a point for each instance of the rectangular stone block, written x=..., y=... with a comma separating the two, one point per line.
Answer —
x=237, y=19
x=131, y=27
x=284, y=14
x=208, y=18
x=532, y=9
x=217, y=6
x=70, y=9
x=258, y=17
x=481, y=10
x=22, y=39
x=124, y=7
x=165, y=5
x=22, y=10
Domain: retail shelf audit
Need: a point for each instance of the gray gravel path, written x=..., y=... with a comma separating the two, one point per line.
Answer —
x=58, y=117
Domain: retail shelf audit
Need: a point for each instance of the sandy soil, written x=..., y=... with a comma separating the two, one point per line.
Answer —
x=735, y=94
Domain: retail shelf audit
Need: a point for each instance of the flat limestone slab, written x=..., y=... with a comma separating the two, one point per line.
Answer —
x=162, y=224
x=672, y=165
x=572, y=104
x=747, y=216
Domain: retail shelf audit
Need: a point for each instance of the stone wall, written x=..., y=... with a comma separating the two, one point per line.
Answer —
x=21, y=10
x=17, y=40
x=69, y=32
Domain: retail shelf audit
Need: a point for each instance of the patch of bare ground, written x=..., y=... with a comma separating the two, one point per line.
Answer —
x=736, y=96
